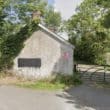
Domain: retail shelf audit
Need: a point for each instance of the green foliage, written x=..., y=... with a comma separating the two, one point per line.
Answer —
x=2, y=21
x=23, y=10
x=68, y=80
x=2, y=4
x=52, y=19
x=87, y=33
x=77, y=79
x=13, y=44
x=106, y=21
x=42, y=85
x=56, y=83
x=2, y=15
x=92, y=48
x=105, y=4
x=14, y=14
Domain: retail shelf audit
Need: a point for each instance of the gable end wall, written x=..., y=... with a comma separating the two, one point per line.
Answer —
x=51, y=52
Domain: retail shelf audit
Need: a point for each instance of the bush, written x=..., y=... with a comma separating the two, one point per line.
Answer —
x=68, y=80
x=77, y=79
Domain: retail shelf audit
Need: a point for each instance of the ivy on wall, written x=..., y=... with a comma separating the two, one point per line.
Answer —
x=12, y=46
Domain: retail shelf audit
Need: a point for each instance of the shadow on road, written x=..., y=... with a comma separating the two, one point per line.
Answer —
x=87, y=97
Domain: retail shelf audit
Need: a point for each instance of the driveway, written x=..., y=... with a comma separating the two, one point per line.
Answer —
x=83, y=97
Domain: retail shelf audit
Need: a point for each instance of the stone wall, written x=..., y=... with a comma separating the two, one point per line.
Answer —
x=56, y=57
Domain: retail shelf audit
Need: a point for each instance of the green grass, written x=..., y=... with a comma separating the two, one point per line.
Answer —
x=59, y=82
x=42, y=85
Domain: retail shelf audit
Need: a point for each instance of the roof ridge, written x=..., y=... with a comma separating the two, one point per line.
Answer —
x=55, y=35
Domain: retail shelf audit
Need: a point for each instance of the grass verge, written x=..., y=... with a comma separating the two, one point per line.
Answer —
x=59, y=82
x=41, y=85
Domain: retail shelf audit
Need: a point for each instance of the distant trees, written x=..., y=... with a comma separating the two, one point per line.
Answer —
x=52, y=19
x=2, y=16
x=2, y=21
x=88, y=32
x=22, y=11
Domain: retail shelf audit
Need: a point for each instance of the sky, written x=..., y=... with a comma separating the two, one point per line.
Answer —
x=51, y=2
x=65, y=7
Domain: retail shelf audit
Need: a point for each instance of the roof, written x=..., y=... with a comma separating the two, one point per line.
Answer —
x=59, y=38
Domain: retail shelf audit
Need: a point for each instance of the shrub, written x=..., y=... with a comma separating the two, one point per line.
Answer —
x=68, y=80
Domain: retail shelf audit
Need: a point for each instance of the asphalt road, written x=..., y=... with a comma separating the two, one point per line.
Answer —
x=13, y=98
x=79, y=98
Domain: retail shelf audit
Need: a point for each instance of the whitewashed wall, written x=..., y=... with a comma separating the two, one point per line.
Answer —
x=51, y=52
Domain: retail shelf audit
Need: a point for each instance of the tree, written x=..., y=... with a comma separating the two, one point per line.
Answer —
x=2, y=15
x=2, y=21
x=105, y=4
x=87, y=32
x=21, y=11
x=52, y=19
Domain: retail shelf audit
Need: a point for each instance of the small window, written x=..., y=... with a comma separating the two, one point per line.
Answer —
x=29, y=62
